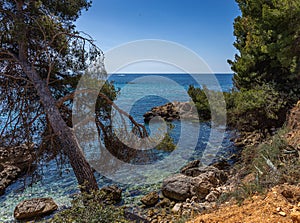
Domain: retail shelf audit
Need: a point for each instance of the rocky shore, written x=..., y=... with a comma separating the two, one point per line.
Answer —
x=14, y=162
x=192, y=191
x=173, y=111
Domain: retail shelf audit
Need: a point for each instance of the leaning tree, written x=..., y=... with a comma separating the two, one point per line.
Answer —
x=40, y=51
x=42, y=58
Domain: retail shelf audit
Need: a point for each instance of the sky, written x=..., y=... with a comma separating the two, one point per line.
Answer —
x=203, y=26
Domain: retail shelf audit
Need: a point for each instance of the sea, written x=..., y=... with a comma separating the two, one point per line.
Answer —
x=137, y=94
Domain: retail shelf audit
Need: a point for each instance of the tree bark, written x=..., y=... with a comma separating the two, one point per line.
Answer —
x=81, y=167
x=67, y=138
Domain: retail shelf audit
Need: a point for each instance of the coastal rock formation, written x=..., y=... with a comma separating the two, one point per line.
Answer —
x=193, y=182
x=293, y=136
x=35, y=207
x=173, y=111
x=13, y=162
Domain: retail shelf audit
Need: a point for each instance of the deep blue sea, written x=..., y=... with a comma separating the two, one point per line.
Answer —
x=138, y=93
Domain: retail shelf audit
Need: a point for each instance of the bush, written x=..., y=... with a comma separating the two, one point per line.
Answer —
x=257, y=109
x=209, y=104
x=88, y=208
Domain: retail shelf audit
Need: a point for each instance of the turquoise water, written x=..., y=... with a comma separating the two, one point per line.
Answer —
x=138, y=94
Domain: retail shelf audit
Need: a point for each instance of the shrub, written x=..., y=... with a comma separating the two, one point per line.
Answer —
x=88, y=208
x=257, y=109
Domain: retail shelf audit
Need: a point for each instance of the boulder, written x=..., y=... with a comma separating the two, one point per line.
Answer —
x=35, y=207
x=150, y=199
x=7, y=175
x=199, y=182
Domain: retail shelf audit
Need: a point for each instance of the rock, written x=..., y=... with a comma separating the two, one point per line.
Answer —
x=173, y=111
x=180, y=187
x=111, y=194
x=35, y=207
x=8, y=174
x=150, y=199
x=192, y=164
x=165, y=202
x=283, y=214
x=212, y=196
x=133, y=217
x=177, y=208
x=221, y=164
x=14, y=161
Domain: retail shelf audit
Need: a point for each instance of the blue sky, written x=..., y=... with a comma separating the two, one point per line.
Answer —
x=204, y=26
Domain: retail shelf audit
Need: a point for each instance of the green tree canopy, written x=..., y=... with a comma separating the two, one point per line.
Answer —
x=268, y=40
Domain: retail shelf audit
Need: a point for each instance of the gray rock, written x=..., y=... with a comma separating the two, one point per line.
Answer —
x=180, y=187
x=177, y=208
x=35, y=207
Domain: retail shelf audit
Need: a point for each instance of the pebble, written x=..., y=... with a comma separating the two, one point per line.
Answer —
x=176, y=208
x=278, y=209
x=282, y=213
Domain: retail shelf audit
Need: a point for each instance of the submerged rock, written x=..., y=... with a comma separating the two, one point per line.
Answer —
x=35, y=207
x=196, y=182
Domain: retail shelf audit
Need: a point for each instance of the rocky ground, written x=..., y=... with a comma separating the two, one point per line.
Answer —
x=14, y=161
x=279, y=204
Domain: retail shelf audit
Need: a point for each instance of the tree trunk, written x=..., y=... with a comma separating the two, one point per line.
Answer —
x=81, y=167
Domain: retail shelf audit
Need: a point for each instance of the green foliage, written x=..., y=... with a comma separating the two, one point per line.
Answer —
x=167, y=144
x=272, y=163
x=87, y=208
x=242, y=192
x=247, y=110
x=276, y=163
x=42, y=35
x=267, y=38
x=210, y=104
x=256, y=109
x=201, y=102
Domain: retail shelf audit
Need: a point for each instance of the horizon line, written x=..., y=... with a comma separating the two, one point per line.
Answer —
x=171, y=73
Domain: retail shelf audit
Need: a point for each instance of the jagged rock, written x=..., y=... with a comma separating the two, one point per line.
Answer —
x=173, y=111
x=35, y=207
x=221, y=164
x=111, y=194
x=13, y=162
x=180, y=187
x=7, y=175
x=192, y=164
x=150, y=199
